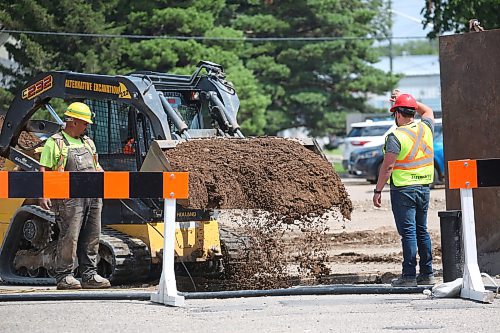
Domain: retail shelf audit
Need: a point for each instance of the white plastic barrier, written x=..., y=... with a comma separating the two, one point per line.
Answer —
x=167, y=290
x=463, y=176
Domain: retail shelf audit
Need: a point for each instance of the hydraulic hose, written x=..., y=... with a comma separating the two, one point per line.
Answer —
x=228, y=115
x=54, y=295
x=173, y=115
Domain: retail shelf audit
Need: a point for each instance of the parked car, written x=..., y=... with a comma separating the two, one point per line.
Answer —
x=365, y=134
x=366, y=162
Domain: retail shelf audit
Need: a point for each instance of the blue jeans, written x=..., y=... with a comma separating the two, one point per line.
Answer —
x=409, y=207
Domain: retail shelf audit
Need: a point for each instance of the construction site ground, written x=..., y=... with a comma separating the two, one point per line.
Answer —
x=365, y=249
x=368, y=236
x=368, y=246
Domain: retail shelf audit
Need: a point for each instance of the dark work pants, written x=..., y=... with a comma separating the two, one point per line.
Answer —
x=409, y=207
x=79, y=222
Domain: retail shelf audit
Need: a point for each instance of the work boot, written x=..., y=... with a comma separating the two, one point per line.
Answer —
x=403, y=281
x=96, y=282
x=426, y=279
x=69, y=282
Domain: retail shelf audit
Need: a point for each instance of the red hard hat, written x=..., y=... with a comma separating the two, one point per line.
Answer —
x=405, y=101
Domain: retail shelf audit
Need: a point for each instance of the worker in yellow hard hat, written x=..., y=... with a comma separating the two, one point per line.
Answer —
x=80, y=111
x=79, y=219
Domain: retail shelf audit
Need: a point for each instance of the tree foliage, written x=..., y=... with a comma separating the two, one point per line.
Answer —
x=311, y=83
x=454, y=15
x=281, y=84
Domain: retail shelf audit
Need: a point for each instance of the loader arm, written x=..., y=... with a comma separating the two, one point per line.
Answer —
x=70, y=86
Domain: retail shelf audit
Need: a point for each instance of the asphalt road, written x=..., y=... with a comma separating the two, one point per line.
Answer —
x=336, y=313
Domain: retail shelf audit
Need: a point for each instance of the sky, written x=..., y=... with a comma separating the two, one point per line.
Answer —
x=407, y=19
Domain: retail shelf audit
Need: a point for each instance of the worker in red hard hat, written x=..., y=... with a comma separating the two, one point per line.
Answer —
x=408, y=167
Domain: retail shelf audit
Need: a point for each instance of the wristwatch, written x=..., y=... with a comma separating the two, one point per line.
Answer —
x=376, y=192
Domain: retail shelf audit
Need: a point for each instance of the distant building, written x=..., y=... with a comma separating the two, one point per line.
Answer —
x=421, y=79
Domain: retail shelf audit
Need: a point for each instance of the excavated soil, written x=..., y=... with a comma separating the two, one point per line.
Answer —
x=26, y=140
x=273, y=174
x=284, y=188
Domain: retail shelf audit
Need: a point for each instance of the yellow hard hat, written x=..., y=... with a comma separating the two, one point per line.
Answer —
x=80, y=111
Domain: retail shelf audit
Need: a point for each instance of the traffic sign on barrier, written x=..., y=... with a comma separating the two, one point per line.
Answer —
x=106, y=185
x=111, y=185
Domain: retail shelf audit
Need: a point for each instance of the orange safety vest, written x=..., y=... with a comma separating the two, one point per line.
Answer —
x=129, y=147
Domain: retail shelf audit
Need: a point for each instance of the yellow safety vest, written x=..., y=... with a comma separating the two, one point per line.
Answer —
x=415, y=162
x=63, y=150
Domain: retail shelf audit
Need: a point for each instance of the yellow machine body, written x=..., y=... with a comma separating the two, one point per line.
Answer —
x=194, y=241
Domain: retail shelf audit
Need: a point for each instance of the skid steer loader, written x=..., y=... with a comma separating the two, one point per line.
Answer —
x=137, y=117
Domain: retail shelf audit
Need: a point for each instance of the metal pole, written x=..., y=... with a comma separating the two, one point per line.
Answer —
x=390, y=37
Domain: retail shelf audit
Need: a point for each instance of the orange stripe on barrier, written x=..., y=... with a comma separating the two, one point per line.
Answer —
x=56, y=185
x=175, y=185
x=4, y=184
x=116, y=185
x=462, y=174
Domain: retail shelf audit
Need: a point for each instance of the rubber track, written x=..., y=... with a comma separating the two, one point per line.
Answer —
x=10, y=277
x=235, y=244
x=132, y=258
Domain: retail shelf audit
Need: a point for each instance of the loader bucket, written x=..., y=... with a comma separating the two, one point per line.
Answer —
x=156, y=161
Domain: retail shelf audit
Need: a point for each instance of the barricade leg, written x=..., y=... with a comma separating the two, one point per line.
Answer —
x=472, y=287
x=167, y=290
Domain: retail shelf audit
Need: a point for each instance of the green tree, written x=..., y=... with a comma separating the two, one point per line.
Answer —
x=313, y=83
x=196, y=18
x=454, y=15
x=281, y=84
x=37, y=53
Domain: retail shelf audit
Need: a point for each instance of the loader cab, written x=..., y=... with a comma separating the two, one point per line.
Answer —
x=121, y=133
x=189, y=107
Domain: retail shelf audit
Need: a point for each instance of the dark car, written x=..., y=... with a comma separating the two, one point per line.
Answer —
x=366, y=162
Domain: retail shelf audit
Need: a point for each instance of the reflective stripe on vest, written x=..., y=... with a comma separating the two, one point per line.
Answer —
x=415, y=162
x=63, y=144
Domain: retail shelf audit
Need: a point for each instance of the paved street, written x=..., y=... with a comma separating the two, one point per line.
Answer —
x=336, y=313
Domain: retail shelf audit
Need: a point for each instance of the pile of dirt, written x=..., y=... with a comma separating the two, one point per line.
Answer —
x=288, y=189
x=26, y=141
x=273, y=174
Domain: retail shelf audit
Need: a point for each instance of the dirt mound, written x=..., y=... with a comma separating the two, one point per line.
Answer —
x=26, y=140
x=288, y=187
x=274, y=174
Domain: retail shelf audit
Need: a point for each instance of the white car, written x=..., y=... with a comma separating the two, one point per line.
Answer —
x=365, y=134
